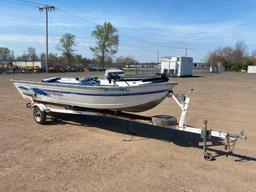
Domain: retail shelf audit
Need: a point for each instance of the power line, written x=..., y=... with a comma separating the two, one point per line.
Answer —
x=31, y=2
x=159, y=45
x=74, y=29
x=15, y=16
x=86, y=21
x=76, y=17
x=70, y=14
x=18, y=3
x=143, y=41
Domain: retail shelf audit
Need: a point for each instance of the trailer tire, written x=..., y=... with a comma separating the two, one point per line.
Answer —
x=39, y=115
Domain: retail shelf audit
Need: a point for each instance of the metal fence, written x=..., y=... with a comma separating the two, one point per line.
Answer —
x=142, y=70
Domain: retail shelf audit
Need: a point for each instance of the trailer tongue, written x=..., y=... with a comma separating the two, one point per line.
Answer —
x=169, y=122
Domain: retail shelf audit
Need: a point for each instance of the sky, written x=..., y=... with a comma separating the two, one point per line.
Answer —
x=145, y=27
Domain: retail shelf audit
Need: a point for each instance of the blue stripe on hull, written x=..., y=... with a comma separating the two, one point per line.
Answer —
x=107, y=95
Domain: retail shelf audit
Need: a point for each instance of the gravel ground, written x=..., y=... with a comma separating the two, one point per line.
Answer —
x=75, y=153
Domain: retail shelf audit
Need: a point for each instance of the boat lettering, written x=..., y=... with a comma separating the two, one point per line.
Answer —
x=118, y=89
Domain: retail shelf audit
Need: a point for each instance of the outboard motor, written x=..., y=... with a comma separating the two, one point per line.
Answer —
x=161, y=78
x=164, y=77
x=113, y=76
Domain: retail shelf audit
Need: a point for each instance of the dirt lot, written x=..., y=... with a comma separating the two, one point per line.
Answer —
x=89, y=154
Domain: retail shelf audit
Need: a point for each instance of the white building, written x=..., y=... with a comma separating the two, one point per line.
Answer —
x=38, y=64
x=177, y=66
x=251, y=69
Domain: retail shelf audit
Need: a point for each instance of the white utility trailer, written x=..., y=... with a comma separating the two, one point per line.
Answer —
x=40, y=112
x=251, y=69
x=177, y=66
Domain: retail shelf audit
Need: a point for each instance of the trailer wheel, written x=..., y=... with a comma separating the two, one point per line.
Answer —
x=39, y=115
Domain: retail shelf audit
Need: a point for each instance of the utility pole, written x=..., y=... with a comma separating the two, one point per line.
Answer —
x=46, y=9
x=186, y=50
x=157, y=57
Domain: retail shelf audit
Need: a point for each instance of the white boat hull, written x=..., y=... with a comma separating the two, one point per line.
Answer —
x=129, y=98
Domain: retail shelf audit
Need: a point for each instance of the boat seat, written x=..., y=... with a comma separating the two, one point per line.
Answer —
x=51, y=80
x=90, y=81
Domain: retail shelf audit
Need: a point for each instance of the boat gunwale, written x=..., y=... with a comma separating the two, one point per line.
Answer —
x=86, y=86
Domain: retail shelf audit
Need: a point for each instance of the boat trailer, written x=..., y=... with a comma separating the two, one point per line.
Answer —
x=40, y=112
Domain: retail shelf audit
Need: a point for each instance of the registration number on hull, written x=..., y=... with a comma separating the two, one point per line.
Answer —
x=118, y=89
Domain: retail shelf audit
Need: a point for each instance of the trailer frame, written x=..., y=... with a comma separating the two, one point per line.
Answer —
x=40, y=111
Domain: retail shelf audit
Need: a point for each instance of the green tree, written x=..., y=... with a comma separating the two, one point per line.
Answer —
x=107, y=40
x=66, y=44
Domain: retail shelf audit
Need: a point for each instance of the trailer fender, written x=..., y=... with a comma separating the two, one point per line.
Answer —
x=42, y=107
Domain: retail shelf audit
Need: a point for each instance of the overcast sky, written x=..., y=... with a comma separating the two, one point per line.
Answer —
x=145, y=26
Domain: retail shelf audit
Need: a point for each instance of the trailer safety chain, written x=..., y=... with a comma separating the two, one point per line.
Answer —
x=29, y=105
x=230, y=145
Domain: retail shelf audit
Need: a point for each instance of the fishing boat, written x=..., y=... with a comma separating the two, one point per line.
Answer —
x=114, y=93
x=114, y=97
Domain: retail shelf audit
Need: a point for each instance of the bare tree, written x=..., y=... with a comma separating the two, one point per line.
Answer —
x=254, y=54
x=32, y=56
x=42, y=56
x=123, y=61
x=240, y=52
x=6, y=54
x=232, y=58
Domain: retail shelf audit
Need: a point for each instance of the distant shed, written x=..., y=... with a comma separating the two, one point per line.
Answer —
x=219, y=68
x=177, y=66
x=251, y=69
